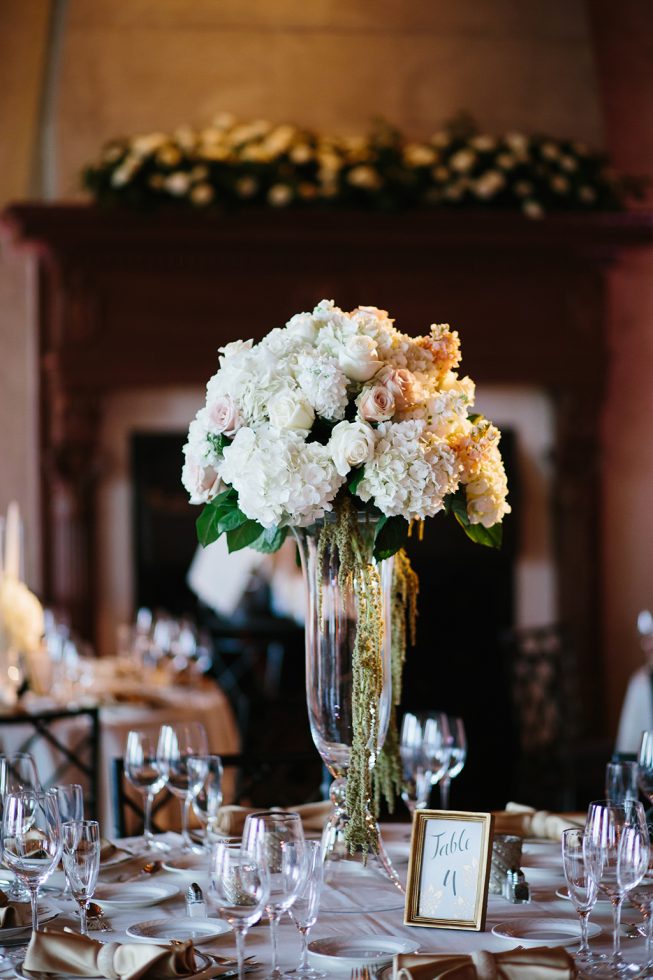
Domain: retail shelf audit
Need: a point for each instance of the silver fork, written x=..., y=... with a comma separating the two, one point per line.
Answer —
x=360, y=973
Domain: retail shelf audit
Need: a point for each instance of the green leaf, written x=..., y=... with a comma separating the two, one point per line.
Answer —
x=208, y=524
x=271, y=539
x=391, y=535
x=474, y=417
x=218, y=442
x=232, y=518
x=491, y=537
x=354, y=480
x=246, y=534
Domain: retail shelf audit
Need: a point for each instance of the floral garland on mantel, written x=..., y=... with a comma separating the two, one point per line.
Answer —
x=235, y=165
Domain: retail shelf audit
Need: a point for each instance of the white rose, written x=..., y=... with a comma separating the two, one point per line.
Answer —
x=358, y=358
x=376, y=404
x=290, y=410
x=223, y=415
x=302, y=326
x=351, y=444
x=201, y=480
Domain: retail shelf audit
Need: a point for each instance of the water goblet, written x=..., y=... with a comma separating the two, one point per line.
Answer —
x=581, y=884
x=306, y=906
x=239, y=890
x=17, y=772
x=31, y=840
x=181, y=755
x=207, y=802
x=145, y=774
x=457, y=744
x=264, y=834
x=435, y=748
x=416, y=776
x=621, y=781
x=645, y=765
x=616, y=852
x=81, y=862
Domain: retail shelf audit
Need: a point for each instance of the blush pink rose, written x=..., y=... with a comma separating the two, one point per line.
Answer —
x=223, y=415
x=376, y=404
x=400, y=383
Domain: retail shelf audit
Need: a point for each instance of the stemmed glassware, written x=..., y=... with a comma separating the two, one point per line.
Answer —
x=306, y=906
x=31, y=840
x=645, y=765
x=70, y=800
x=416, y=776
x=17, y=772
x=457, y=745
x=208, y=800
x=81, y=862
x=239, y=887
x=581, y=884
x=181, y=756
x=265, y=834
x=621, y=781
x=146, y=775
x=616, y=852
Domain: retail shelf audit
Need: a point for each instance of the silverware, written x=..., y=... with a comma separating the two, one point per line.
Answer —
x=360, y=973
x=151, y=868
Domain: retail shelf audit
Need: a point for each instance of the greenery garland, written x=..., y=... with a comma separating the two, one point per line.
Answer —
x=369, y=776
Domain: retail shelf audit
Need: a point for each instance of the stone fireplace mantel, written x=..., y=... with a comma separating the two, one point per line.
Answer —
x=130, y=300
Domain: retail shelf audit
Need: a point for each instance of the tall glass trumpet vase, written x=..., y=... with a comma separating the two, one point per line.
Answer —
x=336, y=610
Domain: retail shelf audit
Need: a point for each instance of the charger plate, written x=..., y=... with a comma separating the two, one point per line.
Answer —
x=544, y=931
x=340, y=954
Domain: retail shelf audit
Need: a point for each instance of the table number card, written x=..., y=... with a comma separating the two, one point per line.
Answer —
x=449, y=870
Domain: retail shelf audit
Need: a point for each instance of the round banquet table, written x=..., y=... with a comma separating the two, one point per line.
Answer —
x=204, y=702
x=542, y=862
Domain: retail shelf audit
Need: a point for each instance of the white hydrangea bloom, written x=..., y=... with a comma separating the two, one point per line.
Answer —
x=487, y=492
x=280, y=479
x=200, y=474
x=324, y=384
x=411, y=473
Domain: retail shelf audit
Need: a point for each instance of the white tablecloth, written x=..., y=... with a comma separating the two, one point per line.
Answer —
x=541, y=861
x=207, y=704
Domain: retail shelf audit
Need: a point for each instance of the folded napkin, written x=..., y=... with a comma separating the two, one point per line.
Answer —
x=538, y=963
x=110, y=850
x=231, y=819
x=525, y=821
x=13, y=916
x=68, y=952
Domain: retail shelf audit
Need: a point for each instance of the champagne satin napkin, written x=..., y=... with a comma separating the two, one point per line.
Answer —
x=68, y=952
x=13, y=916
x=231, y=819
x=539, y=963
x=525, y=821
x=110, y=850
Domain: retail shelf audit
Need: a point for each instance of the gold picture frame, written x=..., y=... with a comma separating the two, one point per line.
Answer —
x=449, y=870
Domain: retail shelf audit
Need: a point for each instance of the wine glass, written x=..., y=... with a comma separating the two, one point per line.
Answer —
x=416, y=777
x=81, y=862
x=645, y=765
x=435, y=747
x=616, y=852
x=306, y=906
x=207, y=802
x=17, y=772
x=31, y=840
x=581, y=884
x=70, y=800
x=457, y=744
x=239, y=888
x=181, y=756
x=621, y=781
x=143, y=771
x=264, y=835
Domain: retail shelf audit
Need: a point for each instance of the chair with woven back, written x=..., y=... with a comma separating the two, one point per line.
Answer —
x=65, y=745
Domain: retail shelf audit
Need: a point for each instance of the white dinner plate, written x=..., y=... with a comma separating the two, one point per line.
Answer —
x=341, y=954
x=46, y=912
x=117, y=896
x=179, y=928
x=202, y=960
x=564, y=893
x=188, y=863
x=542, y=876
x=544, y=931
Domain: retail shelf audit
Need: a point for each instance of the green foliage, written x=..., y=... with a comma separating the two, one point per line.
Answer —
x=456, y=504
x=391, y=535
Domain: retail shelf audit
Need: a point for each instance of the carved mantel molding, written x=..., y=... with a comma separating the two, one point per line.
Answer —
x=131, y=300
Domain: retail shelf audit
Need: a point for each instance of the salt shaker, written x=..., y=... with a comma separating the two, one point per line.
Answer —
x=515, y=887
x=195, y=905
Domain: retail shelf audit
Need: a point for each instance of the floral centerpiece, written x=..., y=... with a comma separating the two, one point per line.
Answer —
x=235, y=164
x=340, y=427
